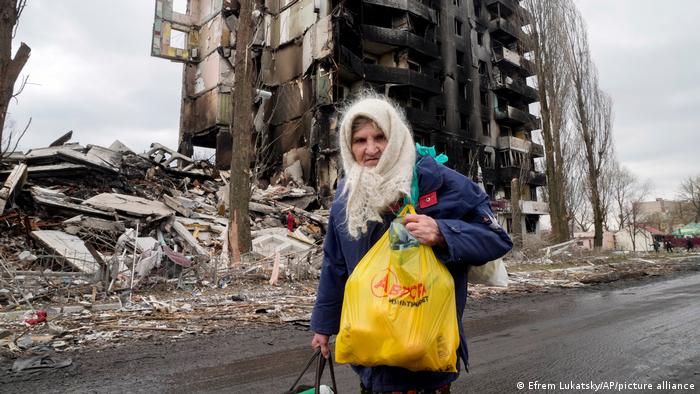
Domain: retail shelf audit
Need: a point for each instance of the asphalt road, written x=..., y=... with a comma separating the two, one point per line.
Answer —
x=632, y=333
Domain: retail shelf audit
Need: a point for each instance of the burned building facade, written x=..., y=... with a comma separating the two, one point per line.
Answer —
x=458, y=68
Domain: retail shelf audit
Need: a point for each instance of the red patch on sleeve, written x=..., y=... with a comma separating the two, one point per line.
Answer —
x=427, y=200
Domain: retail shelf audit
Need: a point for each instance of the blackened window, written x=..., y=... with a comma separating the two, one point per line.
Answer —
x=483, y=69
x=460, y=58
x=484, y=97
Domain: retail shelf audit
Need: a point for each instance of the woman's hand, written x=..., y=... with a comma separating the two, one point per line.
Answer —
x=425, y=229
x=321, y=341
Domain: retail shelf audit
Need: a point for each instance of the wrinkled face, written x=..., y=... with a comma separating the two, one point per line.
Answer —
x=368, y=144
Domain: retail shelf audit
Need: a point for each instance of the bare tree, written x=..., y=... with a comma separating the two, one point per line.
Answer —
x=623, y=185
x=592, y=114
x=547, y=20
x=607, y=191
x=10, y=68
x=690, y=190
x=631, y=209
x=242, y=154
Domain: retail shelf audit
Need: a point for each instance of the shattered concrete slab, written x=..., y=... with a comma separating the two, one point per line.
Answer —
x=269, y=244
x=96, y=157
x=56, y=170
x=57, y=200
x=92, y=223
x=50, y=154
x=71, y=248
x=129, y=205
x=15, y=180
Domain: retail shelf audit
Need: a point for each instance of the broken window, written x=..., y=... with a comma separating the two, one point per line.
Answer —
x=414, y=66
x=480, y=38
x=504, y=159
x=531, y=223
x=440, y=146
x=422, y=139
x=460, y=58
x=463, y=121
x=484, y=97
x=178, y=39
x=456, y=3
x=477, y=9
x=486, y=128
x=488, y=159
x=440, y=114
x=369, y=59
x=416, y=103
x=180, y=6
x=463, y=89
x=401, y=22
x=483, y=68
x=437, y=17
x=458, y=27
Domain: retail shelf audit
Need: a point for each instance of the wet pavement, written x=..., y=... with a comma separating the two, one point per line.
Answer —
x=632, y=333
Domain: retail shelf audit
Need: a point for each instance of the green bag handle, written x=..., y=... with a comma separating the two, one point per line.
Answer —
x=422, y=151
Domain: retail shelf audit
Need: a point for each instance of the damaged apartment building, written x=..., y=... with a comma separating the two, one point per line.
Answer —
x=459, y=68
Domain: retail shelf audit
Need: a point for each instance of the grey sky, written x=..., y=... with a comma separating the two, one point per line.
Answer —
x=647, y=56
x=94, y=74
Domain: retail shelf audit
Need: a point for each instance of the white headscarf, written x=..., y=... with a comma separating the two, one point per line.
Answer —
x=370, y=191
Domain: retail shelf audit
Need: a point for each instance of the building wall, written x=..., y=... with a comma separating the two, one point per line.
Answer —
x=443, y=61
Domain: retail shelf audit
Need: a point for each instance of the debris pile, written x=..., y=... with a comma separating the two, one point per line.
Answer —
x=88, y=220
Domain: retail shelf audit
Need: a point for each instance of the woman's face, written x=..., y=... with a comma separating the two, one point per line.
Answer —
x=368, y=144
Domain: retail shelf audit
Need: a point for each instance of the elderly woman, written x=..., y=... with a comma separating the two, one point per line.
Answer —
x=452, y=215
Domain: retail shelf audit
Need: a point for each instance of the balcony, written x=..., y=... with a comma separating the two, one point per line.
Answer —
x=534, y=207
x=514, y=143
x=400, y=38
x=415, y=7
x=418, y=117
x=402, y=76
x=514, y=117
x=505, y=31
x=502, y=7
x=350, y=63
x=534, y=178
x=515, y=89
x=511, y=60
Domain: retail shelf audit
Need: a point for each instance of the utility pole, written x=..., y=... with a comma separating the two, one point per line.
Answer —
x=241, y=129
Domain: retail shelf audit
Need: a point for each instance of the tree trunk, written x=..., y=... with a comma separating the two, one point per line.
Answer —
x=9, y=68
x=241, y=132
x=516, y=216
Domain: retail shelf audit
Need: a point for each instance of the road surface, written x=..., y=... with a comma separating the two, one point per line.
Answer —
x=631, y=334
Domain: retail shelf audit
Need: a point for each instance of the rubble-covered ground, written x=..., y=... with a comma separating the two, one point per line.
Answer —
x=102, y=246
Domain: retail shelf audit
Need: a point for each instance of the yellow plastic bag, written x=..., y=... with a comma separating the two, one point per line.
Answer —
x=399, y=310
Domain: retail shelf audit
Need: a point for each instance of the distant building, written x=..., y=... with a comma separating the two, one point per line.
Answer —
x=665, y=215
x=458, y=68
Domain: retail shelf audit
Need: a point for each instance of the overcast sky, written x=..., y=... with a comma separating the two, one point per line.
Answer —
x=91, y=72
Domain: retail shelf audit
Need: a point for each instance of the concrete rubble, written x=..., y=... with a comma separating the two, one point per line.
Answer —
x=89, y=234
